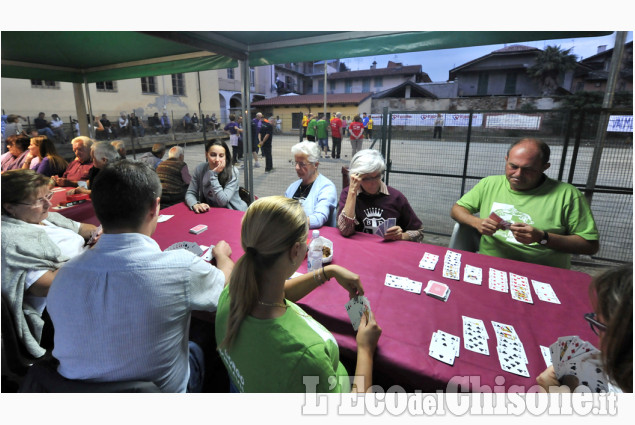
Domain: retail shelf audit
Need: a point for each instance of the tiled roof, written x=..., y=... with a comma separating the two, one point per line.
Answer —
x=313, y=99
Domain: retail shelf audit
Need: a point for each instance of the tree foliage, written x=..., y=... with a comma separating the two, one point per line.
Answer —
x=551, y=64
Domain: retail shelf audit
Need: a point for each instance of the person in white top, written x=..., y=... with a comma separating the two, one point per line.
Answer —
x=134, y=300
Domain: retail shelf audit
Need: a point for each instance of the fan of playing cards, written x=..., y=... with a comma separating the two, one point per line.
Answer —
x=572, y=356
x=384, y=226
x=356, y=308
x=193, y=247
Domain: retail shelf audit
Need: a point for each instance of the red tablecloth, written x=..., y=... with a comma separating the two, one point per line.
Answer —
x=82, y=212
x=408, y=320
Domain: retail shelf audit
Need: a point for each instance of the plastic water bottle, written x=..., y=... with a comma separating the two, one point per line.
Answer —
x=314, y=260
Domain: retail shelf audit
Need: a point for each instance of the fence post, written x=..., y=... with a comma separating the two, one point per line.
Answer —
x=576, y=147
x=565, y=145
x=467, y=152
x=385, y=145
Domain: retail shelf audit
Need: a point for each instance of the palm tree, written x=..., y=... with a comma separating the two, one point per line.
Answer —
x=550, y=64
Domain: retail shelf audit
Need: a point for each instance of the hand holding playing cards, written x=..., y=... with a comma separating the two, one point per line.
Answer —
x=368, y=333
x=487, y=227
x=524, y=233
x=200, y=208
x=548, y=379
x=395, y=233
x=222, y=249
x=347, y=279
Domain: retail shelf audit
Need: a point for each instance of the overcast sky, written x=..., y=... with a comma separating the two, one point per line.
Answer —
x=438, y=63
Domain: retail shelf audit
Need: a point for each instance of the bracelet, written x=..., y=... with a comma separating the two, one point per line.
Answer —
x=326, y=278
x=347, y=217
x=314, y=277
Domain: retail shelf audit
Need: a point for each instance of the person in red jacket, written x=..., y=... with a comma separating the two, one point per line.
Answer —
x=336, y=126
x=356, y=131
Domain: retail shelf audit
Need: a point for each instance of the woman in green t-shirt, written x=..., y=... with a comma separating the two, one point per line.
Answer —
x=267, y=342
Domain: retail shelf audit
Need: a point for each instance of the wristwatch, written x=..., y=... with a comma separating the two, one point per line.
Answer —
x=545, y=239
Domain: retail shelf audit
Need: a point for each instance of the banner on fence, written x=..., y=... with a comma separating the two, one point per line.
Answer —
x=620, y=123
x=427, y=120
x=514, y=121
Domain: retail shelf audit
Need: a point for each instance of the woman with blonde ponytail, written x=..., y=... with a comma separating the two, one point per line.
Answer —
x=267, y=342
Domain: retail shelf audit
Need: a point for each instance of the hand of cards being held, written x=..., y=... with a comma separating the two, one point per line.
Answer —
x=500, y=223
x=368, y=333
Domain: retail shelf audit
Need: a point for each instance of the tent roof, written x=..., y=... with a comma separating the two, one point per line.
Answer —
x=78, y=56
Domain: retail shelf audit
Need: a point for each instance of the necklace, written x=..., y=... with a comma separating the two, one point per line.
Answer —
x=301, y=193
x=282, y=305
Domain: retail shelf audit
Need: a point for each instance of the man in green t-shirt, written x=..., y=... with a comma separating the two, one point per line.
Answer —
x=550, y=220
x=323, y=135
x=311, y=128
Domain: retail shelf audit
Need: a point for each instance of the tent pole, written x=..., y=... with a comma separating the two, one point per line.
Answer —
x=91, y=128
x=80, y=108
x=246, y=100
x=600, y=138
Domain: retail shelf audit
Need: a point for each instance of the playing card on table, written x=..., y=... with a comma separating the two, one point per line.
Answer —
x=428, y=261
x=404, y=283
x=412, y=286
x=511, y=346
x=519, y=288
x=452, y=265
x=512, y=362
x=498, y=280
x=475, y=335
x=437, y=290
x=356, y=307
x=473, y=274
x=444, y=347
x=505, y=330
x=545, y=292
x=394, y=281
x=164, y=217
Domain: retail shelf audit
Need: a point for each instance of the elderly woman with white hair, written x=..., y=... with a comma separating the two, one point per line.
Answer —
x=102, y=153
x=315, y=192
x=368, y=202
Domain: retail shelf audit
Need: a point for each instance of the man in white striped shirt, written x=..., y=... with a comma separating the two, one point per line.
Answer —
x=121, y=310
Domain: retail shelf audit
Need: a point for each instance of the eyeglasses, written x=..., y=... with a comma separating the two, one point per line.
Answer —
x=596, y=326
x=371, y=178
x=301, y=164
x=39, y=201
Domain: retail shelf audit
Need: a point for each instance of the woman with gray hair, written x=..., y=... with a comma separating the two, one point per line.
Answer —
x=315, y=192
x=35, y=244
x=368, y=202
x=102, y=153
